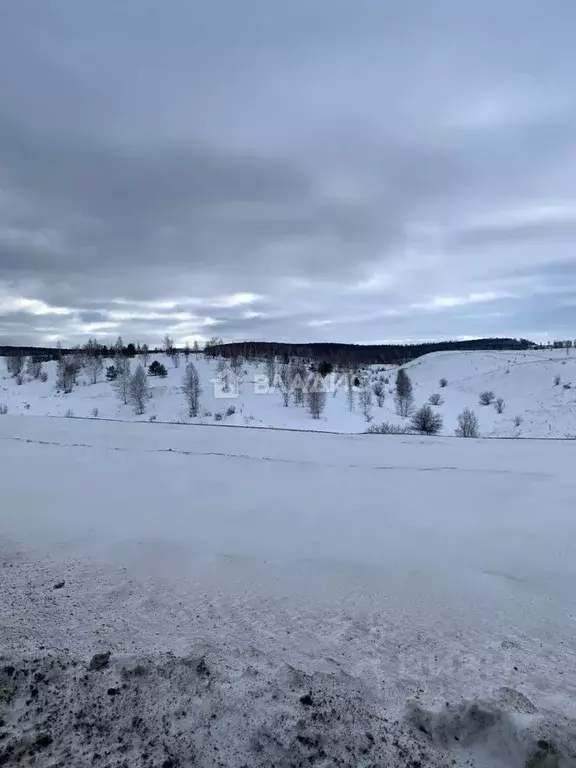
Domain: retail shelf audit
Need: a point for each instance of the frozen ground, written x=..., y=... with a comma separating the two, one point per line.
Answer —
x=524, y=379
x=283, y=599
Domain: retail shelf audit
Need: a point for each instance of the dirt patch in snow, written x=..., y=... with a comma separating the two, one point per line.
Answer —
x=168, y=712
x=206, y=710
x=504, y=732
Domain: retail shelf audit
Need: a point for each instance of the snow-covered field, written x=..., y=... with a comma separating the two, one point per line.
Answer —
x=534, y=406
x=283, y=599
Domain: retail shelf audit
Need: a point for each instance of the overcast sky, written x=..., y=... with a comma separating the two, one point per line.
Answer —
x=343, y=170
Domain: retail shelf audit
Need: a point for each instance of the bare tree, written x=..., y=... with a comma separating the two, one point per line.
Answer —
x=67, y=369
x=34, y=366
x=365, y=400
x=196, y=348
x=175, y=358
x=144, y=355
x=298, y=375
x=15, y=364
x=285, y=384
x=119, y=347
x=168, y=345
x=435, y=399
x=499, y=405
x=467, y=424
x=237, y=365
x=121, y=383
x=138, y=390
x=271, y=370
x=192, y=389
x=379, y=393
x=94, y=368
x=223, y=373
x=404, y=398
x=214, y=341
x=316, y=396
x=350, y=377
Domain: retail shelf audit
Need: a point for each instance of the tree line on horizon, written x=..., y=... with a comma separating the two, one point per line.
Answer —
x=359, y=354
x=334, y=352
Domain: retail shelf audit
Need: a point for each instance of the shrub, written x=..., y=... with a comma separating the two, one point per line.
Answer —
x=94, y=413
x=518, y=421
x=207, y=413
x=379, y=393
x=153, y=418
x=435, y=399
x=43, y=377
x=486, y=397
x=564, y=386
x=231, y=410
x=426, y=421
x=325, y=367
x=3, y=409
x=499, y=405
x=19, y=379
x=111, y=373
x=556, y=380
x=387, y=429
x=218, y=417
x=69, y=413
x=157, y=369
x=467, y=424
x=443, y=382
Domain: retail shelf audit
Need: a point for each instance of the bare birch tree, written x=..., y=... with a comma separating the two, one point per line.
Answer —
x=121, y=383
x=316, y=396
x=192, y=389
x=138, y=392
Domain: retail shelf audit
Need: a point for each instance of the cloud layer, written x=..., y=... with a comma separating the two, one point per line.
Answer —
x=319, y=169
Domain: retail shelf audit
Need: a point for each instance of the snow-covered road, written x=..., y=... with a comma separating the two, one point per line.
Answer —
x=430, y=568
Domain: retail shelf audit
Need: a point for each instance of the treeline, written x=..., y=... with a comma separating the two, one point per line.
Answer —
x=357, y=354
x=335, y=353
x=94, y=348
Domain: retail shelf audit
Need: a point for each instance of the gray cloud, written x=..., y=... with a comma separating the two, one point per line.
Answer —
x=368, y=171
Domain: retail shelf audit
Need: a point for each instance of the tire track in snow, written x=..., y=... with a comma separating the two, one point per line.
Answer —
x=301, y=462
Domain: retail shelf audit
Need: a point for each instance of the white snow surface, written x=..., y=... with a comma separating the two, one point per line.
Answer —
x=284, y=599
x=524, y=379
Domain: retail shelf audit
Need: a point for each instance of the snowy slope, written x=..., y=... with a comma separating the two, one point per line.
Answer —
x=309, y=585
x=524, y=379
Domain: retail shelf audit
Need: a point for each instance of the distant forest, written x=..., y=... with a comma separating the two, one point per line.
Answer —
x=335, y=353
x=358, y=354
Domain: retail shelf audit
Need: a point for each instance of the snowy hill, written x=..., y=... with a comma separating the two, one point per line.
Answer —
x=534, y=406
